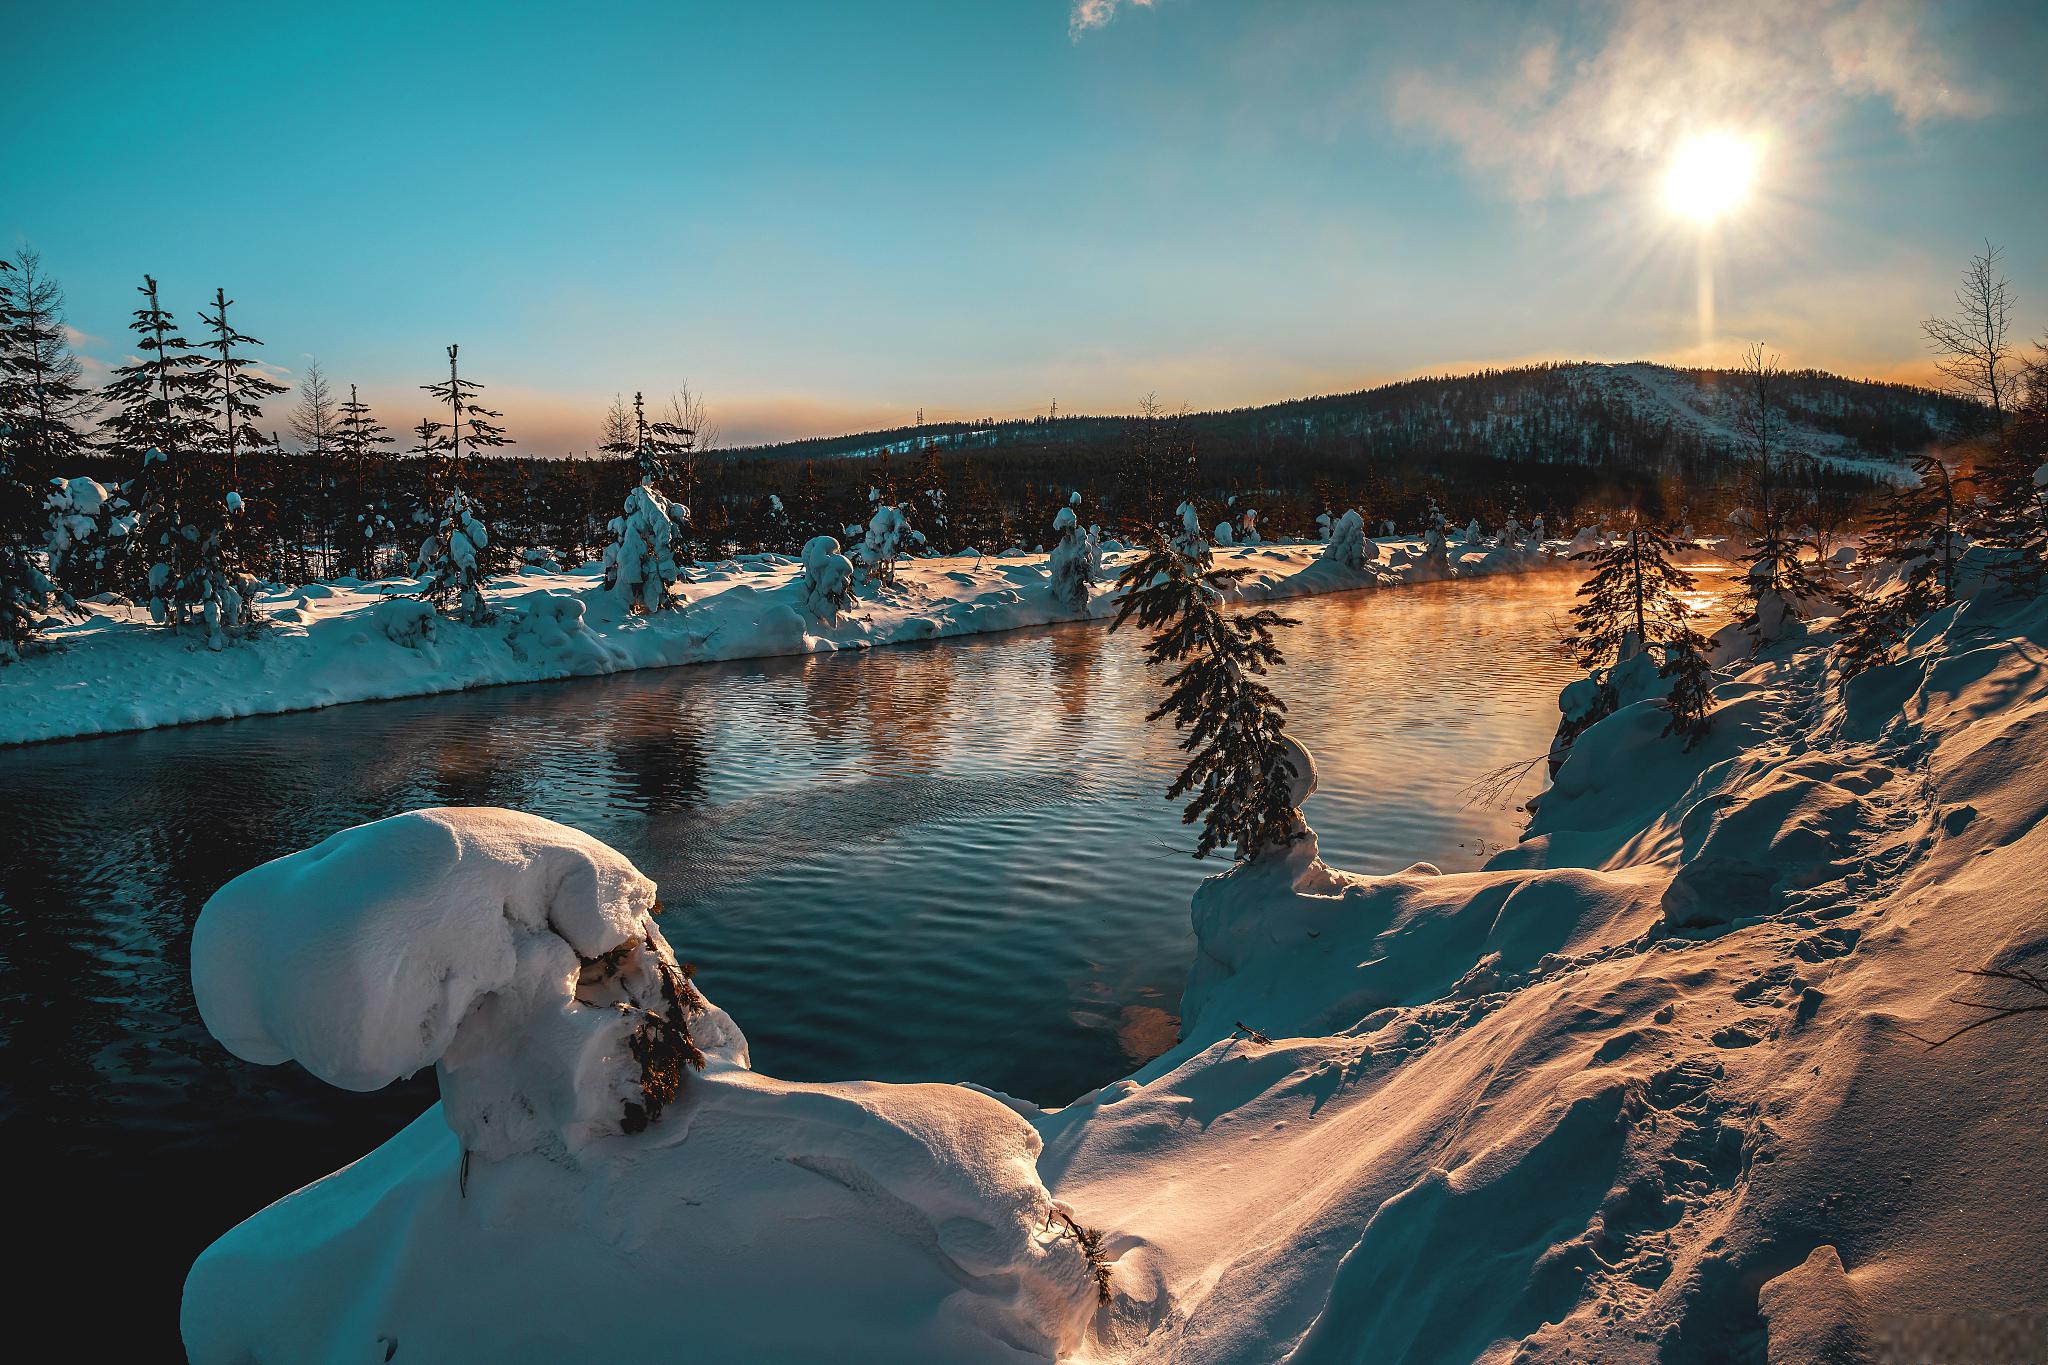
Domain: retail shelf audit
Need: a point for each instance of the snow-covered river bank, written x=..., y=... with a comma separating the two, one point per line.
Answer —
x=330, y=643
x=947, y=862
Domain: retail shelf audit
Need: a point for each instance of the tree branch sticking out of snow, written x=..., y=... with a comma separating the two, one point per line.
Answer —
x=1995, y=1012
x=518, y=957
x=1091, y=1244
x=1247, y=774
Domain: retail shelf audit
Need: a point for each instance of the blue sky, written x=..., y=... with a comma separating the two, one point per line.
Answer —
x=824, y=216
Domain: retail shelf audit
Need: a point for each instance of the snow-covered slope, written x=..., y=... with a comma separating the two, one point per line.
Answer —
x=343, y=642
x=1520, y=1114
x=1652, y=1086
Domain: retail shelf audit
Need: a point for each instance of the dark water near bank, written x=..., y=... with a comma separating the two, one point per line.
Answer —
x=946, y=862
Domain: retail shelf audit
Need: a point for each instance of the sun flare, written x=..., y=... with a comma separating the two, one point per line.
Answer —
x=1710, y=176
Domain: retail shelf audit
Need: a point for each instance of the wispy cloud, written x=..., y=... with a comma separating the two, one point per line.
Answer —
x=1548, y=117
x=1087, y=14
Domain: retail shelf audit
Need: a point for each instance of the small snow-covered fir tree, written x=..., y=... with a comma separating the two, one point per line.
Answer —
x=1188, y=539
x=25, y=588
x=1776, y=580
x=641, y=562
x=1917, y=531
x=451, y=560
x=232, y=387
x=826, y=580
x=366, y=521
x=1634, y=603
x=887, y=539
x=2013, y=517
x=1436, y=548
x=47, y=402
x=1076, y=557
x=1347, y=545
x=452, y=557
x=163, y=416
x=1241, y=778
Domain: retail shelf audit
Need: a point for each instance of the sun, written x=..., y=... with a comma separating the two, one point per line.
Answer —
x=1710, y=176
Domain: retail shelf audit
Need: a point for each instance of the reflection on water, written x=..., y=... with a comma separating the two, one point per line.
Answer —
x=945, y=862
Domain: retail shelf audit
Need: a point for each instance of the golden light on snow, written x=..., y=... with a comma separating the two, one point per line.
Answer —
x=1710, y=176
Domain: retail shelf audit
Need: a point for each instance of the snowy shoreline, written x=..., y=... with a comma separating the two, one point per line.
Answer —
x=330, y=644
x=1652, y=1086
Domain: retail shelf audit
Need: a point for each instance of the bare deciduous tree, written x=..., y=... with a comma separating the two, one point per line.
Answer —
x=1971, y=347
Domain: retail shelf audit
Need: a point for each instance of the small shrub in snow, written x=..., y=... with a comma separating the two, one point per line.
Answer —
x=405, y=621
x=1243, y=774
x=449, y=560
x=827, y=580
x=1076, y=558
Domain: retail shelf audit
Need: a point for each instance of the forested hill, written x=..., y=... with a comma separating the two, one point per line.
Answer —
x=1638, y=417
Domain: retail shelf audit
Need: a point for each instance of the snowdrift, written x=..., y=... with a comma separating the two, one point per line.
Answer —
x=1655, y=1085
x=603, y=1166
x=329, y=643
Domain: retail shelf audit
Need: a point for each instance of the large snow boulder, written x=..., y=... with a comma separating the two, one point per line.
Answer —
x=637, y=1184
x=516, y=955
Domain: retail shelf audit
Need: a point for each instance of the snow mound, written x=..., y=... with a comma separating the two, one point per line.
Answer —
x=518, y=955
x=761, y=1218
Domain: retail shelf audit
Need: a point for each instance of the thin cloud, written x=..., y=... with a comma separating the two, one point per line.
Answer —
x=1550, y=119
x=1088, y=14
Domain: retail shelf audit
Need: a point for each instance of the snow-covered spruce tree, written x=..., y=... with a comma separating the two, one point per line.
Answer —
x=1347, y=543
x=232, y=387
x=1776, y=579
x=1189, y=539
x=2013, y=483
x=25, y=590
x=1076, y=560
x=366, y=521
x=451, y=559
x=1917, y=531
x=161, y=418
x=1632, y=605
x=1241, y=776
x=1436, y=547
x=640, y=563
x=48, y=404
x=887, y=539
x=826, y=581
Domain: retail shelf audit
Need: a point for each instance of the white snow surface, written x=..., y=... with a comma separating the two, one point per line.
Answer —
x=1649, y=1087
x=516, y=1220
x=325, y=644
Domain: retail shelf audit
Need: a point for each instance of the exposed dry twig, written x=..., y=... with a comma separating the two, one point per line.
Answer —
x=1994, y=1011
